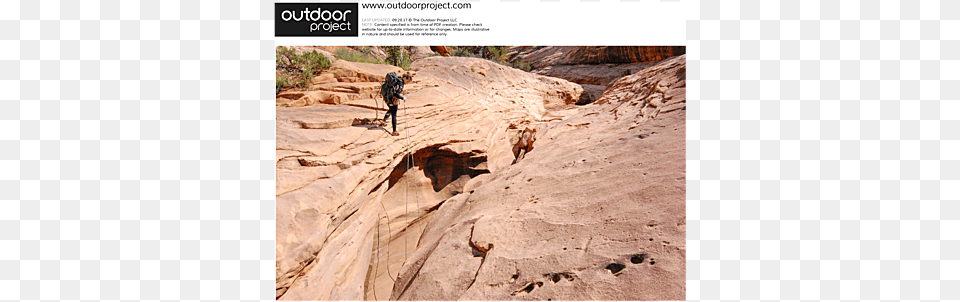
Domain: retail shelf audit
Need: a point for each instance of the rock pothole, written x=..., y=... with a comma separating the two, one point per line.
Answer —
x=528, y=289
x=445, y=169
x=615, y=268
x=557, y=277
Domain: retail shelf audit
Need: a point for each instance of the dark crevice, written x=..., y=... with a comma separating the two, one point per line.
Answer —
x=527, y=289
x=409, y=282
x=615, y=268
x=441, y=166
x=434, y=208
x=478, y=251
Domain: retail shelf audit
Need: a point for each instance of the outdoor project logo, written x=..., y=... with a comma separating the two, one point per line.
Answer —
x=316, y=20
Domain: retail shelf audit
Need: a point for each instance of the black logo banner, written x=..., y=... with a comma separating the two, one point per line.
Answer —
x=316, y=20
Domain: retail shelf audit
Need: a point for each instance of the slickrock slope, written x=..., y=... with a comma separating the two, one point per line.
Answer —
x=587, y=55
x=595, y=212
x=349, y=211
x=595, y=67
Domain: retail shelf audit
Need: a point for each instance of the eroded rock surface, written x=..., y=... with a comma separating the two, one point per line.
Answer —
x=595, y=67
x=592, y=55
x=594, y=212
x=347, y=189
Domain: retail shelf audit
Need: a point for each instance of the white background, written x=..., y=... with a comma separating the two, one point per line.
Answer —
x=137, y=143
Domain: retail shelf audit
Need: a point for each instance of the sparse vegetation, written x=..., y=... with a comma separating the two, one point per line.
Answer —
x=522, y=66
x=496, y=54
x=397, y=56
x=462, y=51
x=283, y=80
x=297, y=70
x=363, y=54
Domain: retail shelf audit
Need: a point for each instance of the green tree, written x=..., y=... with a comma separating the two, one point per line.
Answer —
x=295, y=70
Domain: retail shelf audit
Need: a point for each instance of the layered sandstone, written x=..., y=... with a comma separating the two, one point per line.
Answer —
x=594, y=212
x=338, y=176
x=593, y=55
x=595, y=67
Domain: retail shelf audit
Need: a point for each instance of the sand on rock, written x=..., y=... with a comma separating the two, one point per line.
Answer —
x=594, y=212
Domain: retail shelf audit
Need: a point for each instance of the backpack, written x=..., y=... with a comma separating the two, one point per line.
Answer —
x=392, y=85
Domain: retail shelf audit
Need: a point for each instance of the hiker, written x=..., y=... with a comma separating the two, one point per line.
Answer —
x=390, y=90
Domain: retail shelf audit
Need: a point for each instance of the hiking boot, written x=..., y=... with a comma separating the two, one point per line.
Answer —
x=396, y=133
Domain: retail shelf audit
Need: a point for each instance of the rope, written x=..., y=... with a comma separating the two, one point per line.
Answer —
x=406, y=130
x=406, y=194
x=406, y=213
x=387, y=216
x=406, y=197
x=376, y=269
x=410, y=165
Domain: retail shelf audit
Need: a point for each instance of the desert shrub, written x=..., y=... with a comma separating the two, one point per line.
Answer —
x=493, y=53
x=496, y=54
x=284, y=80
x=523, y=66
x=362, y=55
x=397, y=56
x=295, y=70
x=461, y=51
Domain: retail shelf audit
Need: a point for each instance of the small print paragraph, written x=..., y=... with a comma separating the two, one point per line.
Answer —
x=413, y=27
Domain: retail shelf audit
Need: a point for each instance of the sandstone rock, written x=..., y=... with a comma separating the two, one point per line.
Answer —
x=336, y=93
x=322, y=116
x=594, y=65
x=420, y=52
x=324, y=78
x=441, y=50
x=346, y=71
x=332, y=220
x=292, y=175
x=579, y=55
x=603, y=74
x=621, y=54
x=659, y=89
x=282, y=154
x=361, y=90
x=595, y=212
x=590, y=93
x=294, y=98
